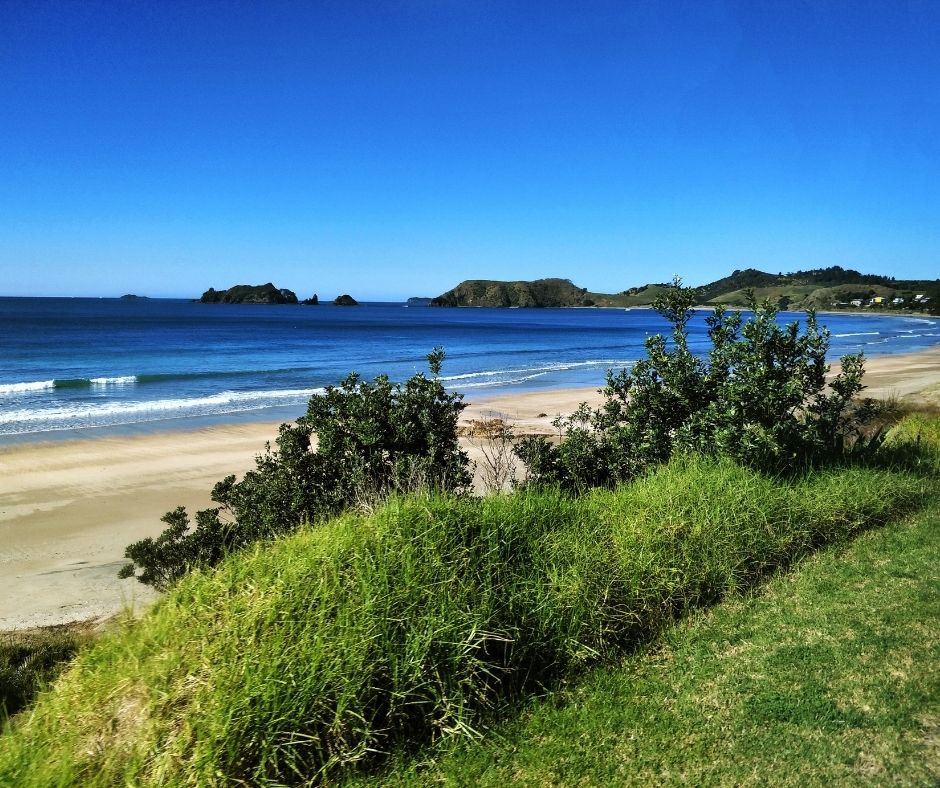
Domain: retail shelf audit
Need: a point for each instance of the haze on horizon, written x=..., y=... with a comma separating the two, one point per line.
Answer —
x=391, y=150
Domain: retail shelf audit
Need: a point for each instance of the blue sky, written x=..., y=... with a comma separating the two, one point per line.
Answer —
x=391, y=149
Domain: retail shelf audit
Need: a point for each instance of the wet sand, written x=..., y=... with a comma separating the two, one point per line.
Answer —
x=68, y=509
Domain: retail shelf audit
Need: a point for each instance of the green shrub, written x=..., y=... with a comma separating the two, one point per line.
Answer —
x=31, y=660
x=760, y=397
x=372, y=439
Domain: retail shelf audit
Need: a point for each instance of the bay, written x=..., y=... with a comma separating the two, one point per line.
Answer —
x=95, y=366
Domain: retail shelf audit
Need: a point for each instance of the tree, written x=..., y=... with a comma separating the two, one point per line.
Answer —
x=760, y=397
x=372, y=439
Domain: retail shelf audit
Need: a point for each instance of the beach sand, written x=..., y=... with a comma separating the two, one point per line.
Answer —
x=68, y=509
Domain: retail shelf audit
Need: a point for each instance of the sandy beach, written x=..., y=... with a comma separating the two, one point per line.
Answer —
x=68, y=509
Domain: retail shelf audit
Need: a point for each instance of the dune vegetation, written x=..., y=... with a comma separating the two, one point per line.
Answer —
x=312, y=648
x=371, y=633
x=826, y=675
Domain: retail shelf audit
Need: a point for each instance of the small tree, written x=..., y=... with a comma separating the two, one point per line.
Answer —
x=760, y=397
x=372, y=439
x=494, y=440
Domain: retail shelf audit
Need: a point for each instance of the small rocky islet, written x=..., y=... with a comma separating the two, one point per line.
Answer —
x=265, y=294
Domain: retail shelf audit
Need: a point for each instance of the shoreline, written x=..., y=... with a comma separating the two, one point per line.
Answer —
x=68, y=508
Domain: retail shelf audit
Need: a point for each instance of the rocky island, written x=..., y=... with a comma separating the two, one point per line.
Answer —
x=249, y=294
x=345, y=300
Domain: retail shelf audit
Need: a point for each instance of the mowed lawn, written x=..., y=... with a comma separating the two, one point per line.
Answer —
x=827, y=675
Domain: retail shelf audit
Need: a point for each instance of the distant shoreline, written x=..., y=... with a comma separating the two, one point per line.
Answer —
x=404, y=303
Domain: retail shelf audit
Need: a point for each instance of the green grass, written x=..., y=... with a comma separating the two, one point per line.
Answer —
x=30, y=660
x=917, y=428
x=433, y=618
x=828, y=676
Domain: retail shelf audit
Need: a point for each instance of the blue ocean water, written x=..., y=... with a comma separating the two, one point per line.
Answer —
x=85, y=366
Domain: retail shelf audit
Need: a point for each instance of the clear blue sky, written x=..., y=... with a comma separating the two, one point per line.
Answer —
x=391, y=149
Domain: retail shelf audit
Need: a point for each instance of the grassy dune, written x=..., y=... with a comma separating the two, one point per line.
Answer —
x=829, y=676
x=316, y=654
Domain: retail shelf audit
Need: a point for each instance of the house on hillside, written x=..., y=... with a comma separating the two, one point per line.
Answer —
x=897, y=301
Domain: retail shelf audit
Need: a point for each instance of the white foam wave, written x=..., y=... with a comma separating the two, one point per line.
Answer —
x=859, y=334
x=88, y=414
x=125, y=380
x=20, y=388
x=538, y=371
x=505, y=381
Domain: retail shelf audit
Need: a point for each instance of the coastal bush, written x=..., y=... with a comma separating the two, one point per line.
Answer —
x=372, y=439
x=299, y=660
x=30, y=660
x=760, y=397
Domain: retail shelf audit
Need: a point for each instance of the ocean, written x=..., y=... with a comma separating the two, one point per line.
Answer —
x=72, y=367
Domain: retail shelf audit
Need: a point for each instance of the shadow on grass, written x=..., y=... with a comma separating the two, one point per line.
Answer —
x=31, y=659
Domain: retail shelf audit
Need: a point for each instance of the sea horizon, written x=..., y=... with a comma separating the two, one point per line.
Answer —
x=96, y=366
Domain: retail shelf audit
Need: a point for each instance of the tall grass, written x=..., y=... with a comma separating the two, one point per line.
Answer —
x=829, y=676
x=31, y=659
x=326, y=649
x=919, y=428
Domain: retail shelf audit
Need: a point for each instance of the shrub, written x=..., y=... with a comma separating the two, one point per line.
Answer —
x=760, y=397
x=30, y=660
x=372, y=439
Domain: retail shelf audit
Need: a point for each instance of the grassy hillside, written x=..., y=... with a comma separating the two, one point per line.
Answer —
x=537, y=293
x=431, y=618
x=822, y=288
x=829, y=676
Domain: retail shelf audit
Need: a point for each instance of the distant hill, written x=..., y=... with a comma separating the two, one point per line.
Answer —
x=539, y=293
x=821, y=288
x=249, y=294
